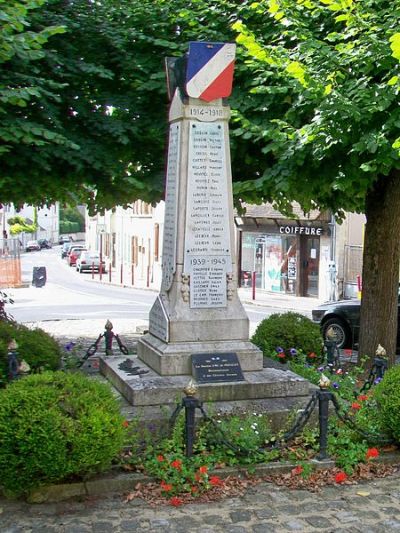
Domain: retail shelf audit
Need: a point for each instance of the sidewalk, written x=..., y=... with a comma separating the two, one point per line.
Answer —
x=370, y=507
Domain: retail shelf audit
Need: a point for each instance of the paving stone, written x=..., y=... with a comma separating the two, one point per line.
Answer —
x=235, y=529
x=265, y=527
x=159, y=522
x=319, y=522
x=265, y=513
x=129, y=525
x=294, y=525
x=240, y=516
x=212, y=519
x=394, y=525
x=346, y=516
x=100, y=527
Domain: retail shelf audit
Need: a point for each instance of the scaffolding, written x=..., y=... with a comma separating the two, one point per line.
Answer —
x=10, y=263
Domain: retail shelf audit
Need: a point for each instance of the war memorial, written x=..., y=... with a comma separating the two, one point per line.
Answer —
x=198, y=328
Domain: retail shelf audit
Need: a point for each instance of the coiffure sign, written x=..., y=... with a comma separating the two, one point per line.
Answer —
x=300, y=230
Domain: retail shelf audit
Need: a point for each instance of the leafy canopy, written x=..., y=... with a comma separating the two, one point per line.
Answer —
x=322, y=100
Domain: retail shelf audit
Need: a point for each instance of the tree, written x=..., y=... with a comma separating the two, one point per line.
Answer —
x=90, y=123
x=322, y=110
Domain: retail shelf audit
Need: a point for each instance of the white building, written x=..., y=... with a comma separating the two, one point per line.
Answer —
x=47, y=219
x=130, y=242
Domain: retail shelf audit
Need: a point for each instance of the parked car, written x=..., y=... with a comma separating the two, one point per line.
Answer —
x=32, y=246
x=89, y=261
x=64, y=250
x=44, y=243
x=64, y=239
x=344, y=319
x=73, y=255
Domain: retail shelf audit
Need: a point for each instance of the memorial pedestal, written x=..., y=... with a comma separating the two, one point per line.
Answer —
x=264, y=388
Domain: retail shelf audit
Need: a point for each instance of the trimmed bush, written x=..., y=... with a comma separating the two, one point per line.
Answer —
x=54, y=426
x=387, y=395
x=35, y=346
x=288, y=330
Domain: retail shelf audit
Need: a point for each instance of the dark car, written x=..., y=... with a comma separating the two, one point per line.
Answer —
x=344, y=319
x=44, y=243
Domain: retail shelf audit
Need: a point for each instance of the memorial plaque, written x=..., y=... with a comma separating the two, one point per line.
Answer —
x=207, y=256
x=171, y=208
x=158, y=321
x=216, y=368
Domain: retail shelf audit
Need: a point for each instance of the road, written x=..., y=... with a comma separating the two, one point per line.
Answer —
x=70, y=295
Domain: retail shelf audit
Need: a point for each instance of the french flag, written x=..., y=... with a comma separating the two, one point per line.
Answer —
x=209, y=73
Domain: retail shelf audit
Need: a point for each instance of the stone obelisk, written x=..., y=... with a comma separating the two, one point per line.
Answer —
x=198, y=309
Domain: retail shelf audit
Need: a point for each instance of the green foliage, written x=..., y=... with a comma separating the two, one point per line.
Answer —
x=346, y=447
x=288, y=331
x=71, y=220
x=20, y=224
x=56, y=425
x=322, y=107
x=246, y=432
x=36, y=347
x=387, y=396
x=68, y=226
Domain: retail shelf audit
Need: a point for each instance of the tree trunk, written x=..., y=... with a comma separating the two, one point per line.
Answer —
x=380, y=275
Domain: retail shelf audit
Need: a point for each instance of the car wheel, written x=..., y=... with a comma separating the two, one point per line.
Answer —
x=342, y=335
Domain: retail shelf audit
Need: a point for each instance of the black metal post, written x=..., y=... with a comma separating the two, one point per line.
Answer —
x=380, y=365
x=190, y=404
x=323, y=404
x=331, y=353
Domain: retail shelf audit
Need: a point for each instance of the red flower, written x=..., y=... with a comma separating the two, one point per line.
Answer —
x=355, y=405
x=177, y=464
x=166, y=486
x=197, y=476
x=203, y=470
x=282, y=355
x=160, y=458
x=312, y=355
x=194, y=489
x=297, y=470
x=372, y=452
x=362, y=397
x=125, y=423
x=175, y=501
x=216, y=481
x=340, y=477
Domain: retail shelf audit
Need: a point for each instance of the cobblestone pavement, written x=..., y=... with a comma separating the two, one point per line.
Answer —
x=264, y=508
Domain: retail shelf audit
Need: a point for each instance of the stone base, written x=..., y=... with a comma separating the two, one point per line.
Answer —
x=151, y=389
x=173, y=359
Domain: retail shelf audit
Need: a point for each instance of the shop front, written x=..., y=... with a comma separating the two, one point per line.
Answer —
x=286, y=256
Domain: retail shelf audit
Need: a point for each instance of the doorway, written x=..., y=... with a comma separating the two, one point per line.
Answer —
x=309, y=265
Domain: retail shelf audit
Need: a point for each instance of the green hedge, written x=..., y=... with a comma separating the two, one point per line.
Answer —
x=35, y=346
x=387, y=395
x=56, y=425
x=288, y=330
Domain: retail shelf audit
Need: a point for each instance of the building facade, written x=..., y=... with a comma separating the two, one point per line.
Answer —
x=311, y=255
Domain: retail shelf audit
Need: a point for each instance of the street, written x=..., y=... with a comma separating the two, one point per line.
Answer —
x=69, y=295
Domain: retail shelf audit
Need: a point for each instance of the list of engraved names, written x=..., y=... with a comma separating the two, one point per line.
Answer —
x=171, y=207
x=207, y=235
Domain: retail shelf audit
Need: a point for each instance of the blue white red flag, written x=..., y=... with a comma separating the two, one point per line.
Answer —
x=209, y=73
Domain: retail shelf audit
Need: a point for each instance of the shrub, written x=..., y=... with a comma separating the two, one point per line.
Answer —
x=288, y=330
x=387, y=396
x=56, y=425
x=36, y=347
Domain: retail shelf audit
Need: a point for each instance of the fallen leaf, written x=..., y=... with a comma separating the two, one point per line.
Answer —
x=363, y=493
